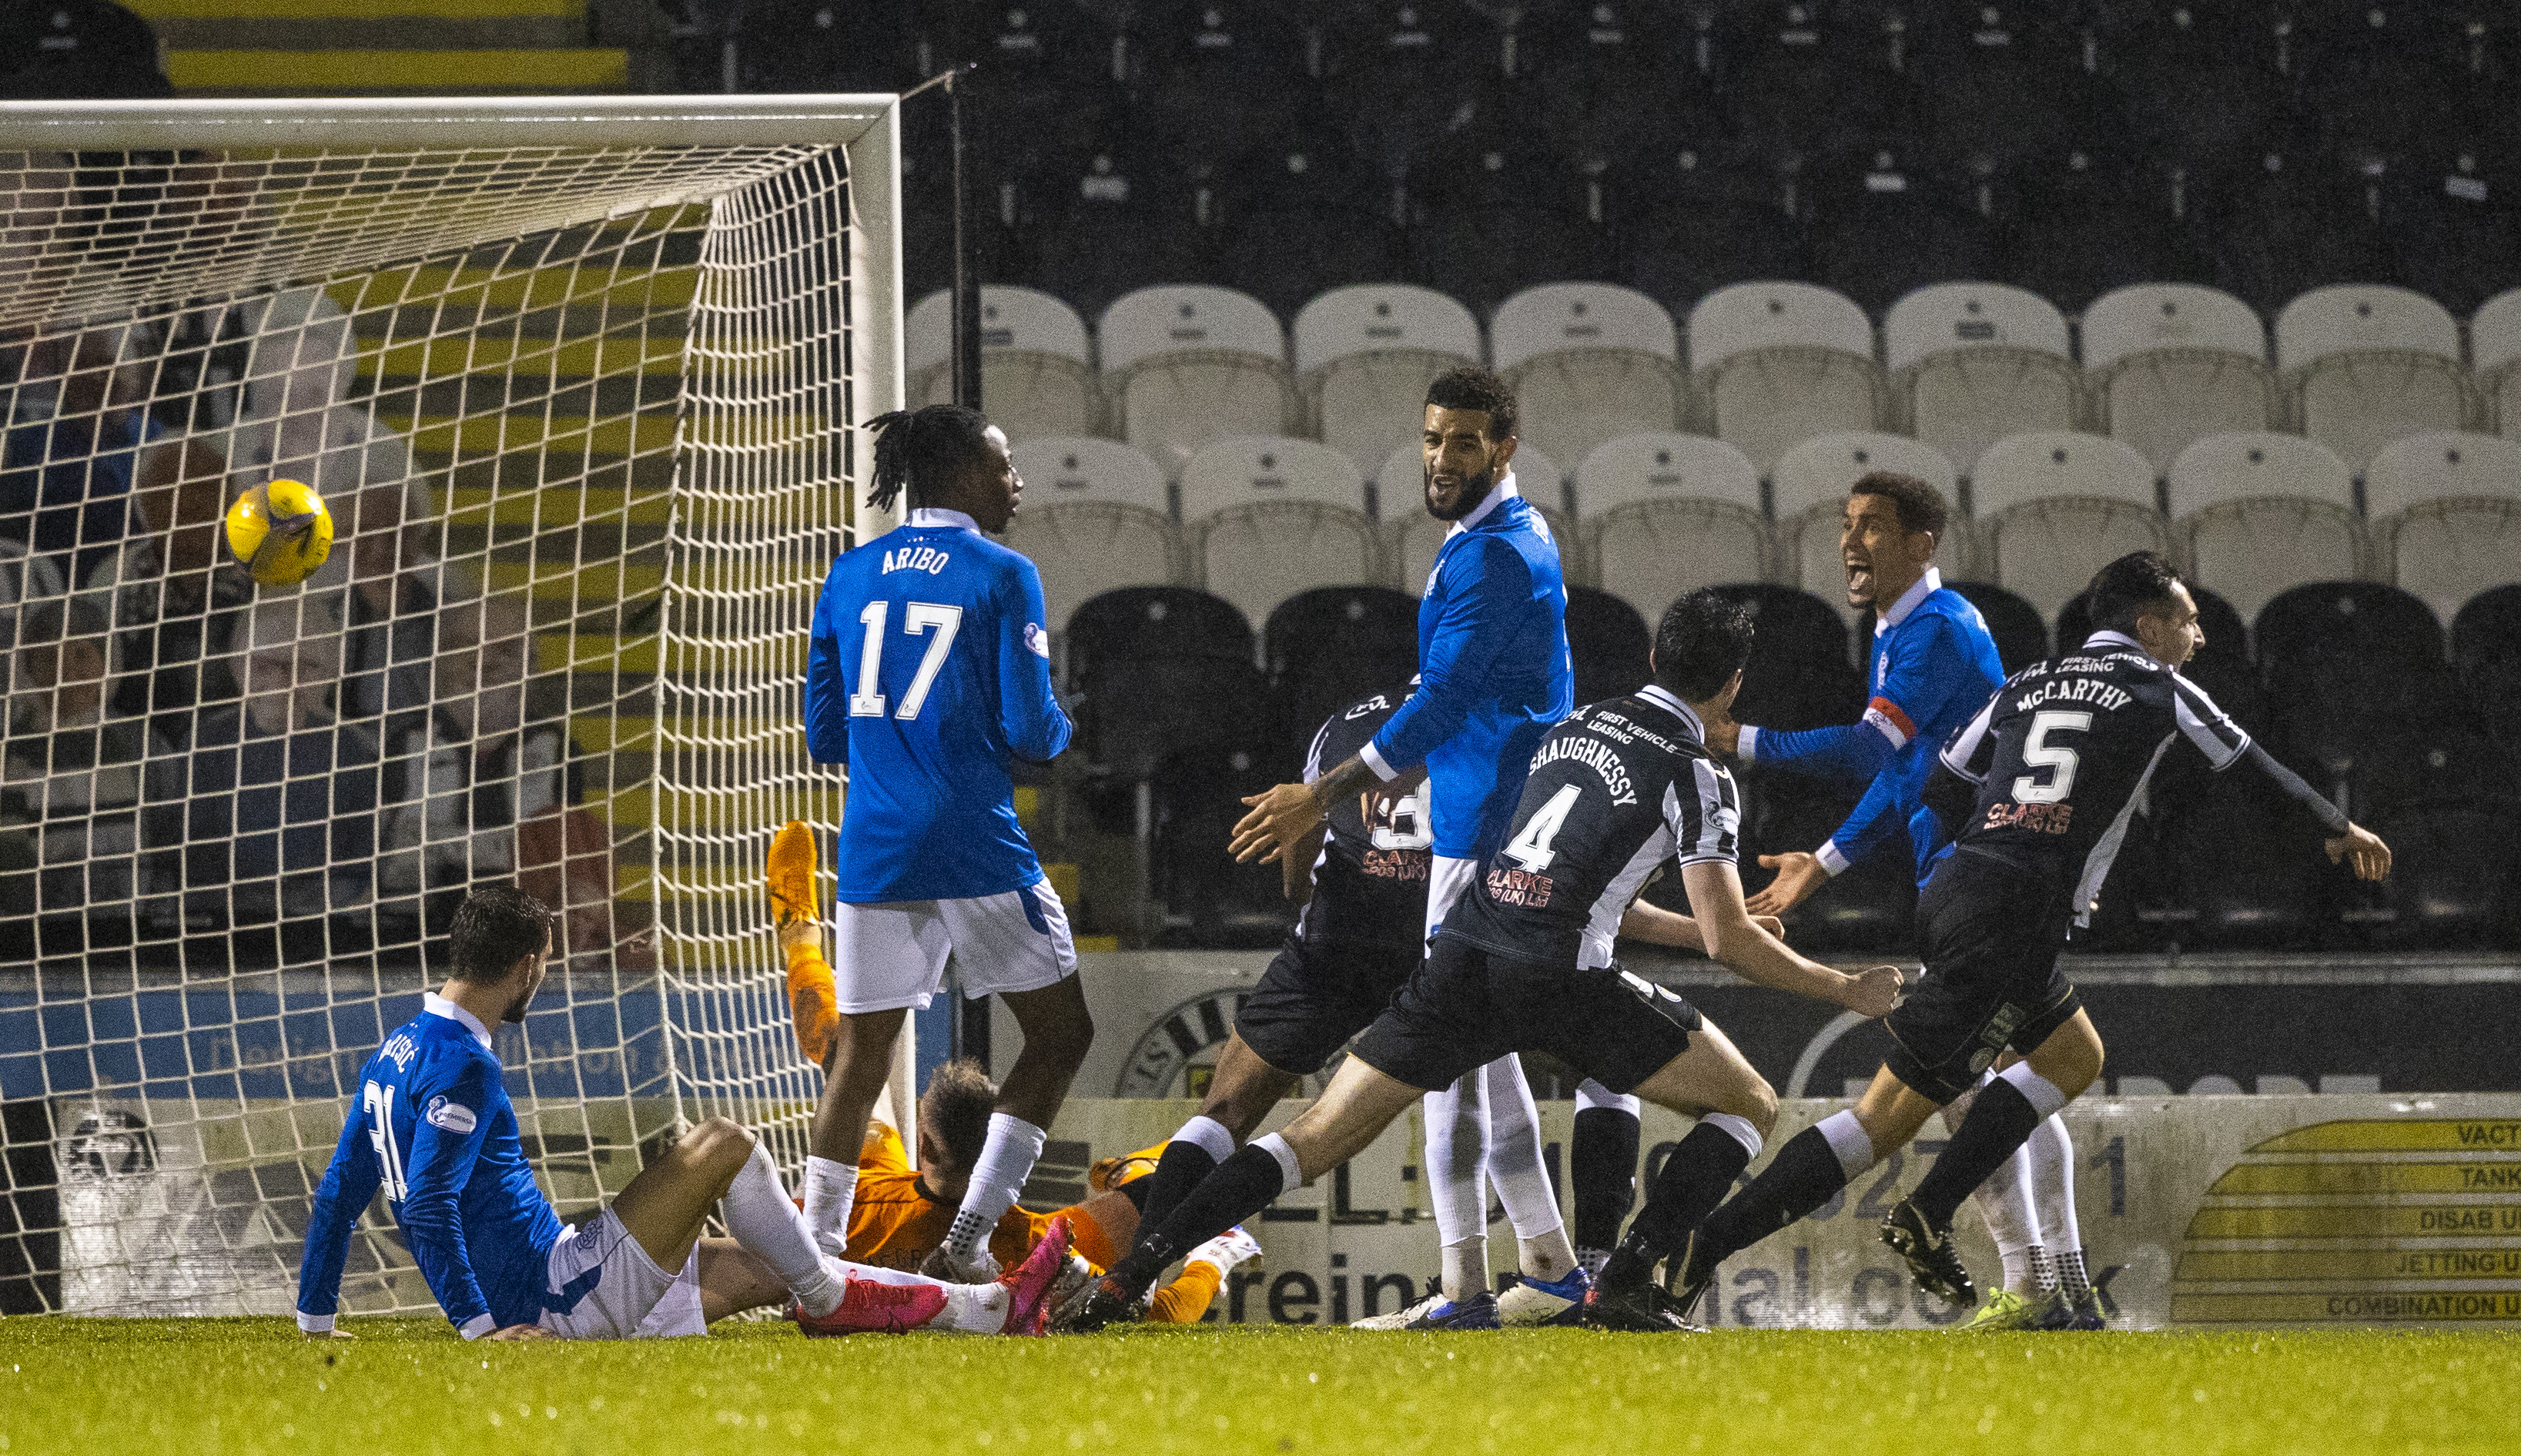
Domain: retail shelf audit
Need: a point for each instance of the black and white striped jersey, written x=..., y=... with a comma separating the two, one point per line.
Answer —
x=1616, y=791
x=2061, y=753
x=1370, y=881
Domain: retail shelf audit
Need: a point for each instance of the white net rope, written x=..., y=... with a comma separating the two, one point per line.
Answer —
x=578, y=414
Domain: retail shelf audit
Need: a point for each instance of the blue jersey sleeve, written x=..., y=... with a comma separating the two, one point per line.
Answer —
x=349, y=1184
x=1485, y=581
x=827, y=692
x=1928, y=672
x=1036, y=726
x=1876, y=820
x=448, y=1127
x=1847, y=752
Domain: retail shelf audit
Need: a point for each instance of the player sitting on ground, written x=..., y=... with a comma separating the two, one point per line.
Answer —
x=1524, y=963
x=432, y=1125
x=900, y=1215
x=928, y=673
x=2037, y=789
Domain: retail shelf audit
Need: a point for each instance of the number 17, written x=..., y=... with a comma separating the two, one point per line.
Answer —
x=918, y=619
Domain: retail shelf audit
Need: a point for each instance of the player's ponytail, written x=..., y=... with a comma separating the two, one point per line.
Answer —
x=921, y=451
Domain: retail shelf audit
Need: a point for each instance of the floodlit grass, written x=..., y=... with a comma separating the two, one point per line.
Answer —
x=90, y=1387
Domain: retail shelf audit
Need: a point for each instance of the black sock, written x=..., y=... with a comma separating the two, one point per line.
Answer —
x=1802, y=1176
x=1999, y=1121
x=1692, y=1180
x=1183, y=1167
x=1241, y=1187
x=1605, y=1167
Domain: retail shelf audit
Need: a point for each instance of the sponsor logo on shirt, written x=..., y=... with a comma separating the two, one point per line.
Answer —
x=1038, y=639
x=2038, y=818
x=1519, y=888
x=453, y=1117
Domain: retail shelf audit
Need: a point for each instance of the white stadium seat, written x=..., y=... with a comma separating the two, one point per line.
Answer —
x=2495, y=352
x=2447, y=551
x=2166, y=364
x=2045, y=552
x=2366, y=363
x=1775, y=364
x=1270, y=517
x=1093, y=520
x=1974, y=362
x=1364, y=356
x=1588, y=361
x=2441, y=465
x=1185, y=365
x=1036, y=365
x=1414, y=535
x=1665, y=513
x=2048, y=464
x=1818, y=472
x=2257, y=513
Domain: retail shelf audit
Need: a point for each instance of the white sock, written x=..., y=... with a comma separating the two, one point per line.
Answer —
x=2045, y=1097
x=2043, y=1270
x=1208, y=1135
x=1007, y=1157
x=974, y=1309
x=830, y=1188
x=759, y=1216
x=2017, y=1267
x=2050, y=1153
x=1521, y=1178
x=1457, y=1184
x=1591, y=1093
x=1850, y=1141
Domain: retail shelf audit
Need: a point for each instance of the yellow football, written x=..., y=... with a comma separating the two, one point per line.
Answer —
x=281, y=532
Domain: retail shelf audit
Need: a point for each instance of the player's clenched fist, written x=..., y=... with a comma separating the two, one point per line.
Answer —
x=1873, y=991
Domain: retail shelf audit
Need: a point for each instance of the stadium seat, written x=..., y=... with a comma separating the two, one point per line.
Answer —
x=1270, y=517
x=2284, y=222
x=2210, y=78
x=2450, y=222
x=2495, y=346
x=2365, y=364
x=1663, y=514
x=1326, y=648
x=2485, y=656
x=1201, y=899
x=1414, y=536
x=1972, y=363
x=2166, y=363
x=2048, y=464
x=1092, y=231
x=2079, y=220
x=1494, y=209
x=1661, y=465
x=1364, y=356
x=1095, y=519
x=1804, y=78
x=1588, y=361
x=2021, y=634
x=1999, y=81
x=1800, y=674
x=1809, y=497
x=2441, y=465
x=2447, y=551
x=1610, y=643
x=1037, y=369
x=1155, y=671
x=1703, y=213
x=1606, y=73
x=1185, y=366
x=1775, y=364
x=1395, y=72
x=1218, y=77
x=2258, y=513
x=2390, y=75
x=2338, y=654
x=2047, y=551
x=1300, y=212
x=1882, y=224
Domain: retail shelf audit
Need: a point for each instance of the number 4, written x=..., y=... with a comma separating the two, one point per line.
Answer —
x=1531, y=848
x=918, y=619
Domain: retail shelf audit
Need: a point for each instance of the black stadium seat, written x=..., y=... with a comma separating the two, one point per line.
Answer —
x=2287, y=223
x=1494, y=209
x=1218, y=77
x=1883, y=222
x=2486, y=653
x=1611, y=645
x=1122, y=218
x=2021, y=637
x=1209, y=901
x=2205, y=84
x=1799, y=675
x=1303, y=214
x=1329, y=647
x=1800, y=77
x=1998, y=81
x=2353, y=670
x=1156, y=670
x=2450, y=222
x=1696, y=214
x=2077, y=221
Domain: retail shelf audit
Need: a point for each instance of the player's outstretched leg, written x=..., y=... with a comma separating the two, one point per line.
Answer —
x=1240, y=1093
x=2007, y=1111
x=892, y=1302
x=1735, y=1109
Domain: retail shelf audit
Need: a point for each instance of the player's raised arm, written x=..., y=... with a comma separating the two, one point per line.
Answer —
x=350, y=1182
x=1037, y=727
x=446, y=1137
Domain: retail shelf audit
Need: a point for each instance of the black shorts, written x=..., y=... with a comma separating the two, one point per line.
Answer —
x=1992, y=937
x=1468, y=1006
x=1313, y=998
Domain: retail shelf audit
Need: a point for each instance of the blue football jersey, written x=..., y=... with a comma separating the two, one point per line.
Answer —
x=927, y=674
x=1493, y=674
x=432, y=1125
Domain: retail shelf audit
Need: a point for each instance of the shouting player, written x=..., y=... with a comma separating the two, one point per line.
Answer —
x=1934, y=662
x=434, y=1127
x=1494, y=674
x=927, y=674
x=1524, y=962
x=2037, y=789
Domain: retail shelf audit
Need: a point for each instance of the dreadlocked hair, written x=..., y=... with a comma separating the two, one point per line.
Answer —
x=921, y=449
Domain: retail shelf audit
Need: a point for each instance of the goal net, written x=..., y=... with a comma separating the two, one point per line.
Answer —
x=579, y=382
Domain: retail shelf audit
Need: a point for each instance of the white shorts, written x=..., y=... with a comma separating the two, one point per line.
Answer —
x=613, y=1290
x=892, y=955
x=1446, y=879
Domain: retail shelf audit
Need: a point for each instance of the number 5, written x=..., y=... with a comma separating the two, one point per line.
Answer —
x=2036, y=750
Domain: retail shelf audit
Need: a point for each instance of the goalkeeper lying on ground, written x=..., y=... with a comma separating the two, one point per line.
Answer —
x=434, y=1127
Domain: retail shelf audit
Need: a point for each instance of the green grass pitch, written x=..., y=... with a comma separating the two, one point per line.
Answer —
x=92, y=1386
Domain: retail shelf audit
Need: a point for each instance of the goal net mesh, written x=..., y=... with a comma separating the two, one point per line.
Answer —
x=580, y=415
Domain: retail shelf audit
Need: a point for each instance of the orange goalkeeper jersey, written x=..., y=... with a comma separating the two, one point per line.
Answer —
x=894, y=1225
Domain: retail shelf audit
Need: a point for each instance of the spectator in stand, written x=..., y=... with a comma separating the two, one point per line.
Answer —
x=86, y=797
x=282, y=804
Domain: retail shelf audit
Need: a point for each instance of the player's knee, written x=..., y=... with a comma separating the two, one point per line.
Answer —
x=719, y=1142
x=1756, y=1105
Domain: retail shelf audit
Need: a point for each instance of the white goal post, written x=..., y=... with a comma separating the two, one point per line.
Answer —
x=582, y=382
